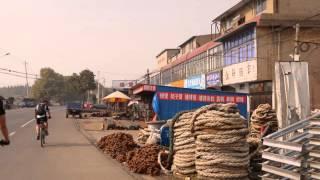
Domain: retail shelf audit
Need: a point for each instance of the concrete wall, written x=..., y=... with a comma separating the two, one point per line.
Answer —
x=164, y=58
x=249, y=12
x=195, y=43
x=268, y=54
x=302, y=8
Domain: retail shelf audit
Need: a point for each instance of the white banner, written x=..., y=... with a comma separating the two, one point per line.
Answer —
x=123, y=84
x=240, y=72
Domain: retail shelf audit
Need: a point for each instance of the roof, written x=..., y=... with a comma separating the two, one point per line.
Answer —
x=165, y=51
x=188, y=40
x=232, y=10
x=255, y=20
x=192, y=54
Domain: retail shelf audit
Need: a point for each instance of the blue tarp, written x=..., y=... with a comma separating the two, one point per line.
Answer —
x=168, y=101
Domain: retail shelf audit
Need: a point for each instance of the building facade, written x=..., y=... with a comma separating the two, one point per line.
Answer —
x=257, y=33
x=165, y=56
x=252, y=36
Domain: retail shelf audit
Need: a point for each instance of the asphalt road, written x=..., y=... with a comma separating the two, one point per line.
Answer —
x=67, y=155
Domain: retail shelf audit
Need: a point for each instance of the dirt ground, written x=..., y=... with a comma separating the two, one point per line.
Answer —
x=96, y=135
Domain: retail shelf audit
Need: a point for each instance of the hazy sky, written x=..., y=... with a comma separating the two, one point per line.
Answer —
x=118, y=37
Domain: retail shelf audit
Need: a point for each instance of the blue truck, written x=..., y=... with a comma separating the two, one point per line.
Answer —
x=74, y=109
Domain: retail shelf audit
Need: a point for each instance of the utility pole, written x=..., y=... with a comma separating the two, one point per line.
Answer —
x=296, y=56
x=98, y=93
x=104, y=86
x=148, y=77
x=27, y=83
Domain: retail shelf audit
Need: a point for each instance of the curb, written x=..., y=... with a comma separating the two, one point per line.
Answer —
x=93, y=143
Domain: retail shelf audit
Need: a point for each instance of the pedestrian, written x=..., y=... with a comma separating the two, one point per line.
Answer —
x=3, y=125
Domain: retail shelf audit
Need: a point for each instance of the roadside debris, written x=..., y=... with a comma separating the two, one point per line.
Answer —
x=117, y=145
x=143, y=135
x=144, y=160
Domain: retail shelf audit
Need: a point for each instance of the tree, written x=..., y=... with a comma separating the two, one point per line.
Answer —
x=54, y=86
x=49, y=86
x=87, y=81
x=72, y=88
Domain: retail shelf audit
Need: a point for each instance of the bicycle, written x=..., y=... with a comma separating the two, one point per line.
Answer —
x=42, y=133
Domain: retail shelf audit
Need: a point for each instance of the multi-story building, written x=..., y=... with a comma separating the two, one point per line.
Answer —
x=257, y=33
x=189, y=70
x=165, y=56
x=249, y=38
x=194, y=42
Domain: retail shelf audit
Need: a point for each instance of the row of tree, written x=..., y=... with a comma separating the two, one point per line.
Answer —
x=13, y=91
x=54, y=86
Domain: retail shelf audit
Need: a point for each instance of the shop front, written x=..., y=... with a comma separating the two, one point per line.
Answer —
x=214, y=80
x=144, y=93
x=196, y=82
x=179, y=84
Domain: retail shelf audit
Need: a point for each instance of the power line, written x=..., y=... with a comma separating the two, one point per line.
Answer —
x=113, y=73
x=18, y=72
x=16, y=75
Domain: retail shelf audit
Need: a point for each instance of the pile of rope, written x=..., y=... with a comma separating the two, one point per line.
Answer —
x=184, y=146
x=263, y=117
x=263, y=121
x=222, y=151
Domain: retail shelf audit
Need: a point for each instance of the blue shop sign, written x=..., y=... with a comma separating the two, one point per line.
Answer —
x=214, y=79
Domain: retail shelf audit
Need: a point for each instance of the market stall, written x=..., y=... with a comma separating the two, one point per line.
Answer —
x=119, y=102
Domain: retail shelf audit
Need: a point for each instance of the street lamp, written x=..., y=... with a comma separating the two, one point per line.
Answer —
x=6, y=54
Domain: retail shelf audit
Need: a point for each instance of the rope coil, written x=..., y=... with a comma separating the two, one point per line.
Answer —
x=220, y=134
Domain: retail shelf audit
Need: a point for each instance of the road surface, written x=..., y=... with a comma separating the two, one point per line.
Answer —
x=67, y=156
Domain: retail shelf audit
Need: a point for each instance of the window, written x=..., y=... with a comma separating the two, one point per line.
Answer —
x=261, y=6
x=242, y=86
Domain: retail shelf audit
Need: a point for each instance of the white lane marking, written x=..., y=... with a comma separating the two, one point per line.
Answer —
x=11, y=134
x=25, y=124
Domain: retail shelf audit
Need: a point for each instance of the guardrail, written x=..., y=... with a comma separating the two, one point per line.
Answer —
x=293, y=152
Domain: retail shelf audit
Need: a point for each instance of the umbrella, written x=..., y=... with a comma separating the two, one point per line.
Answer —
x=133, y=102
x=117, y=97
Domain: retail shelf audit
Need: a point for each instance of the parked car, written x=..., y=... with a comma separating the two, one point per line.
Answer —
x=100, y=106
x=74, y=109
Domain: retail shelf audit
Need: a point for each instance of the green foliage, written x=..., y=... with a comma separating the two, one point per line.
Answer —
x=54, y=86
x=49, y=86
x=87, y=81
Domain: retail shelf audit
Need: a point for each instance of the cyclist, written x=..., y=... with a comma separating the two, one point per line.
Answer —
x=3, y=125
x=42, y=113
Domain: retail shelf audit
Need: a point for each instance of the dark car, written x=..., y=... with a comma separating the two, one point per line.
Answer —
x=74, y=109
x=100, y=106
